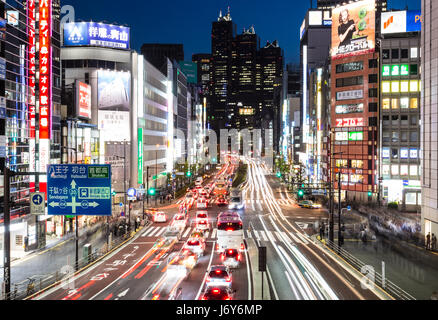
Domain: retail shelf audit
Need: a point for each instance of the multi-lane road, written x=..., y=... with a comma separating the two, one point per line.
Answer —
x=297, y=267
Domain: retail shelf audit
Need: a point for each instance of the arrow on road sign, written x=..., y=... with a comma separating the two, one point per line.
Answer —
x=73, y=184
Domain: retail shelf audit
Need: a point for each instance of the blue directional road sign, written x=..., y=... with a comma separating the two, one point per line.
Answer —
x=79, y=189
x=37, y=203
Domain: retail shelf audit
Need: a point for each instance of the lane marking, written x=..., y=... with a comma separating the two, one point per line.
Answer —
x=205, y=276
x=160, y=232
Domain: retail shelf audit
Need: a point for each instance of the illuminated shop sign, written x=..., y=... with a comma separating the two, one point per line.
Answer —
x=349, y=95
x=96, y=34
x=349, y=108
x=349, y=122
x=395, y=70
x=83, y=100
x=400, y=21
x=355, y=136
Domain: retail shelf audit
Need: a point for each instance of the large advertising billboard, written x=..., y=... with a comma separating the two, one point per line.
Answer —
x=96, y=34
x=113, y=90
x=400, y=22
x=353, y=29
x=83, y=100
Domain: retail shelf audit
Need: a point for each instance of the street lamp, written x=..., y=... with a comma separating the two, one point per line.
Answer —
x=156, y=171
x=124, y=182
x=332, y=223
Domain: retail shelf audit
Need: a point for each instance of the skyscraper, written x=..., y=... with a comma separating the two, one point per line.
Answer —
x=156, y=54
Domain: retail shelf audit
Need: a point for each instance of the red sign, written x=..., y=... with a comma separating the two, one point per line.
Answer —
x=349, y=122
x=84, y=99
x=45, y=68
x=32, y=71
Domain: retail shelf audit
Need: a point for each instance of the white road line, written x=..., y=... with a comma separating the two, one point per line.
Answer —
x=278, y=236
x=302, y=238
x=160, y=232
x=272, y=283
x=248, y=272
x=152, y=233
x=213, y=234
x=248, y=234
x=263, y=235
x=270, y=235
x=206, y=234
x=205, y=277
x=145, y=234
x=286, y=237
x=295, y=238
x=187, y=232
x=256, y=234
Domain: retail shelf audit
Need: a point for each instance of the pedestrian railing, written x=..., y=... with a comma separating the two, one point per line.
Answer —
x=381, y=281
x=30, y=287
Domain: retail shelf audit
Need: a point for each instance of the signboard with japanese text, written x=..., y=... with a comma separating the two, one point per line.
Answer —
x=349, y=95
x=96, y=34
x=83, y=100
x=353, y=29
x=349, y=122
x=349, y=108
x=78, y=189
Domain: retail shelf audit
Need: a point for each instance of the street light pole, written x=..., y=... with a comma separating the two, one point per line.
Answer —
x=339, y=208
x=156, y=173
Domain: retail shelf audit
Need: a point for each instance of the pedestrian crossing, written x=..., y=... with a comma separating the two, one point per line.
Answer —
x=262, y=235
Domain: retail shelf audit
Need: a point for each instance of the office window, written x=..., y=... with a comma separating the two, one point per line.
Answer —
x=372, y=107
x=386, y=87
x=394, y=120
x=395, y=86
x=414, y=103
x=350, y=81
x=413, y=170
x=414, y=53
x=385, y=103
x=385, y=169
x=395, y=70
x=404, y=153
x=357, y=164
x=341, y=163
x=372, y=63
x=385, y=120
x=386, y=70
x=404, y=170
x=395, y=53
x=413, y=153
x=394, y=169
x=372, y=93
x=372, y=121
x=403, y=136
x=372, y=78
x=394, y=103
x=404, y=86
x=414, y=85
x=385, y=54
x=414, y=136
x=404, y=70
x=404, y=103
x=349, y=67
x=404, y=53
x=413, y=69
x=385, y=136
x=385, y=153
x=404, y=120
x=395, y=136
x=394, y=153
x=414, y=120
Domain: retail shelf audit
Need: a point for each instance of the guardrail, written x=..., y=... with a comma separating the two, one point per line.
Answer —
x=392, y=289
x=38, y=283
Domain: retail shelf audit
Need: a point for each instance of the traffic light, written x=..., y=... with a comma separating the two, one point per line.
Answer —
x=151, y=191
x=188, y=174
x=278, y=174
x=300, y=193
x=370, y=193
x=113, y=193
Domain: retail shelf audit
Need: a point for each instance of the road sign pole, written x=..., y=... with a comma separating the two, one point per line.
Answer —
x=7, y=237
x=77, y=244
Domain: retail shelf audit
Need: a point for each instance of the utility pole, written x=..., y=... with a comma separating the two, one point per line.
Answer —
x=339, y=208
x=124, y=177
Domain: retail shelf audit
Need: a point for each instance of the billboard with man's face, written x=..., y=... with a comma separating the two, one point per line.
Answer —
x=353, y=29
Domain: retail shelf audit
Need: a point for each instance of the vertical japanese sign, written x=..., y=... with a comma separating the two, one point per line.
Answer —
x=140, y=155
x=45, y=32
x=31, y=85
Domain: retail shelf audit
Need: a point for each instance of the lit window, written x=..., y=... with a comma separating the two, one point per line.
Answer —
x=395, y=86
x=394, y=103
x=414, y=85
x=414, y=103
x=395, y=70
x=413, y=170
x=385, y=169
x=404, y=170
x=386, y=103
x=404, y=86
x=404, y=103
x=386, y=71
x=386, y=87
x=404, y=153
x=357, y=164
x=394, y=169
x=413, y=153
x=404, y=70
x=385, y=153
x=414, y=53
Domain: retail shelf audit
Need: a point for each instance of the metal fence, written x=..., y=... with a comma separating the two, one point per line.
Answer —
x=380, y=281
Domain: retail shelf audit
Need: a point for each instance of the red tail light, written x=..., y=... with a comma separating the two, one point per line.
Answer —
x=229, y=279
x=239, y=257
x=204, y=298
x=216, y=291
x=242, y=247
x=227, y=298
x=218, y=271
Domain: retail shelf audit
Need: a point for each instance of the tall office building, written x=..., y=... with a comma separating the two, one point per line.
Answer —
x=429, y=116
x=156, y=54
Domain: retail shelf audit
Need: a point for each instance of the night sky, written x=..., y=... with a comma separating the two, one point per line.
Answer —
x=189, y=22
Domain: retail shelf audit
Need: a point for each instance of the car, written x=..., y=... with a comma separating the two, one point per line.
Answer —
x=201, y=221
x=198, y=181
x=309, y=204
x=151, y=212
x=218, y=293
x=160, y=216
x=219, y=275
x=180, y=221
x=195, y=245
x=204, y=194
x=236, y=202
x=202, y=203
x=231, y=258
x=221, y=201
x=180, y=264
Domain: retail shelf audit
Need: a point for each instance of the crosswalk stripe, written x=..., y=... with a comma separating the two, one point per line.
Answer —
x=187, y=232
x=303, y=239
x=213, y=234
x=160, y=232
x=152, y=233
x=256, y=234
x=295, y=238
x=148, y=231
x=263, y=235
x=248, y=235
x=286, y=237
x=206, y=234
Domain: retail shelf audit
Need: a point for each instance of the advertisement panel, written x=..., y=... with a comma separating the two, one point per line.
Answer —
x=113, y=90
x=13, y=17
x=83, y=100
x=140, y=156
x=413, y=21
x=349, y=108
x=349, y=122
x=353, y=29
x=96, y=34
x=112, y=122
x=190, y=69
x=400, y=22
x=349, y=95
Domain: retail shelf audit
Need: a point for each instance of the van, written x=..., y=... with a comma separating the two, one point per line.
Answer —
x=199, y=181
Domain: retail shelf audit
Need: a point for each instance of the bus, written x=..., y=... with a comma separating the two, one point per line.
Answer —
x=221, y=187
x=229, y=231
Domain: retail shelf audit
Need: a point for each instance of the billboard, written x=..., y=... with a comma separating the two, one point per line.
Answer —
x=83, y=100
x=111, y=122
x=400, y=22
x=96, y=34
x=190, y=69
x=113, y=90
x=353, y=29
